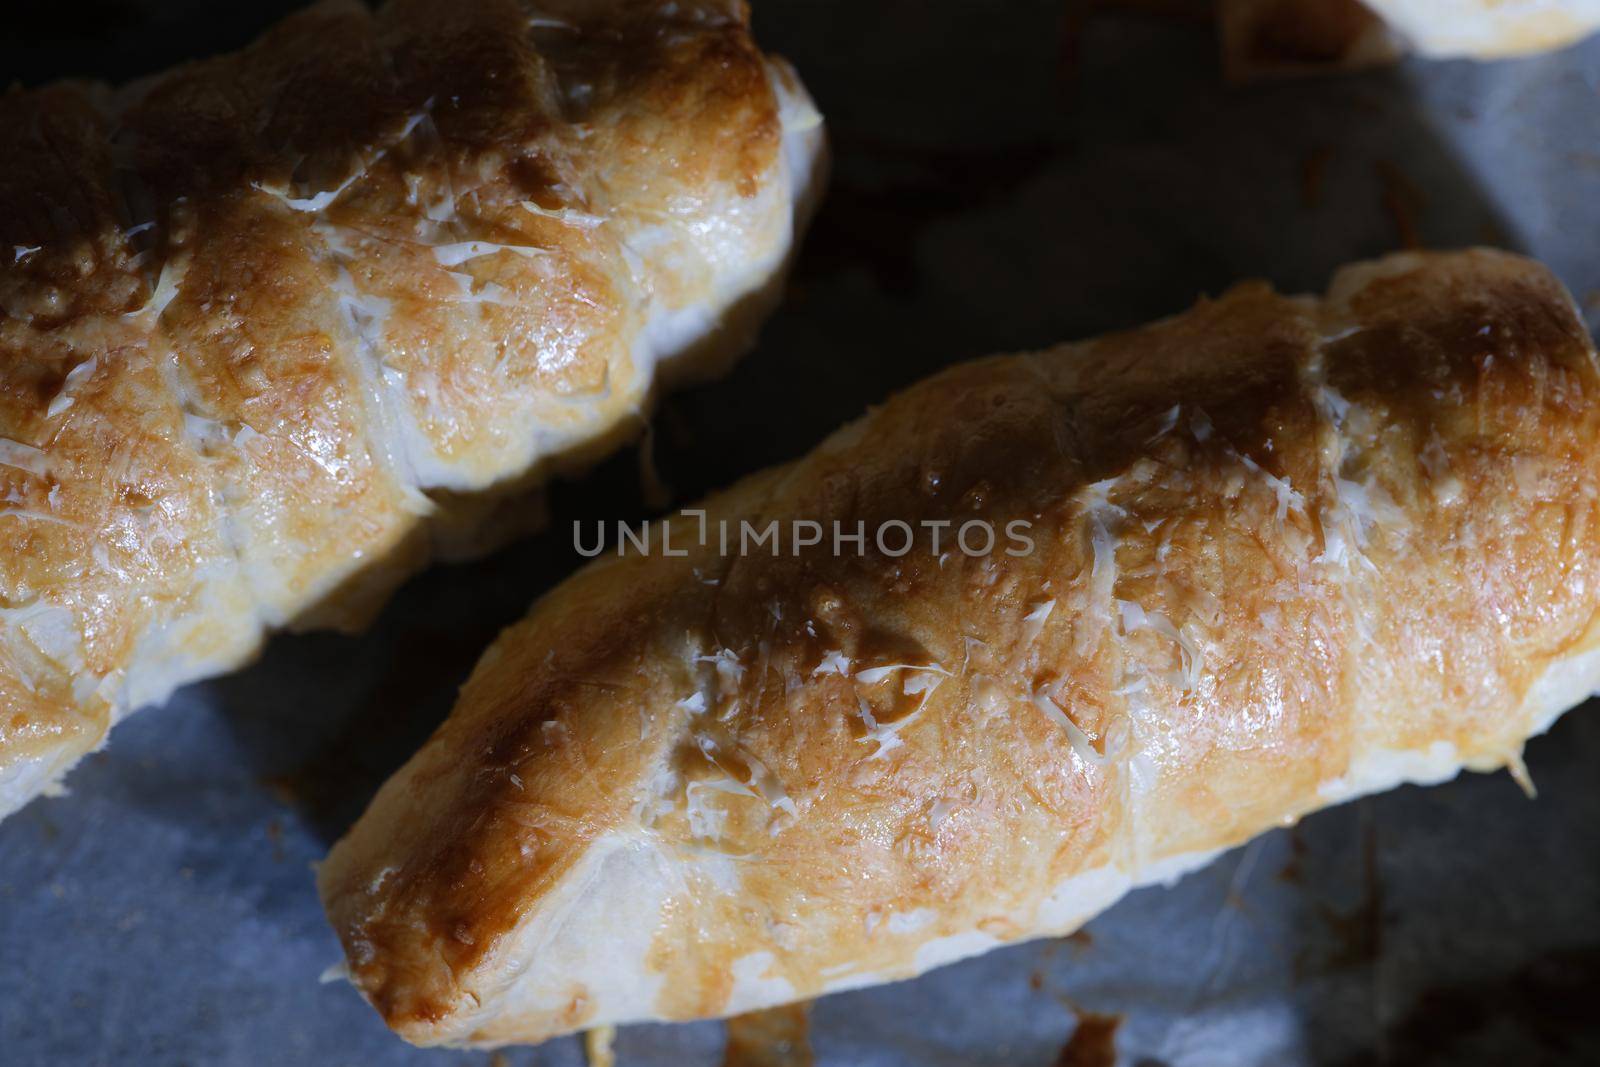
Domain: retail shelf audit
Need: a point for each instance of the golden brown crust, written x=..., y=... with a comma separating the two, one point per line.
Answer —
x=265, y=316
x=1279, y=545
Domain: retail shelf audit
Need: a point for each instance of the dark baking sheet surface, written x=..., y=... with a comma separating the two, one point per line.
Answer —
x=1006, y=176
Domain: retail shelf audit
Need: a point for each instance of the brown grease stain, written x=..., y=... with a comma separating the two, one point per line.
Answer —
x=776, y=1037
x=1403, y=201
x=1079, y=941
x=1093, y=1043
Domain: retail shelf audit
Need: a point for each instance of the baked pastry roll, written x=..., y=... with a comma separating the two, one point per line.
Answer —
x=277, y=326
x=1260, y=558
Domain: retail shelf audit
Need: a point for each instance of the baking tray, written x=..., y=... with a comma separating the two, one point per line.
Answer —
x=1006, y=176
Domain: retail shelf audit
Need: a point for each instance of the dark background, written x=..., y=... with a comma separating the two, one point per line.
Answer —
x=1006, y=176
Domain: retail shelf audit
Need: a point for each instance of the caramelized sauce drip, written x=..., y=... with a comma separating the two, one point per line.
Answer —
x=1093, y=1043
